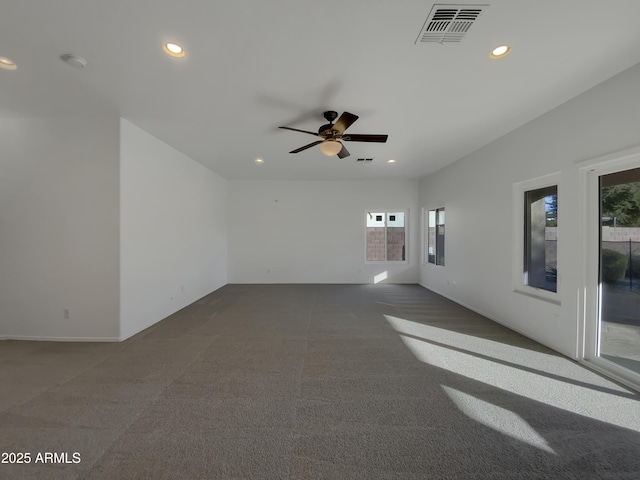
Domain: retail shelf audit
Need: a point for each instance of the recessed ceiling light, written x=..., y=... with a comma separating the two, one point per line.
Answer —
x=7, y=64
x=173, y=49
x=500, y=51
x=391, y=160
x=259, y=160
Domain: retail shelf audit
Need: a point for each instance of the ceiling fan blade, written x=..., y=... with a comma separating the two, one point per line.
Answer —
x=344, y=152
x=303, y=131
x=365, y=138
x=344, y=122
x=313, y=144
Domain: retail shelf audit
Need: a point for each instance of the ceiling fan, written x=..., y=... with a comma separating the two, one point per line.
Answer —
x=332, y=135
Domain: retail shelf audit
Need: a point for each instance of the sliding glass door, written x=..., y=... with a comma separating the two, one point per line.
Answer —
x=609, y=302
x=618, y=323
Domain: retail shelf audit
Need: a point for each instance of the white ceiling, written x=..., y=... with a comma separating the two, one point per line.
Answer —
x=253, y=65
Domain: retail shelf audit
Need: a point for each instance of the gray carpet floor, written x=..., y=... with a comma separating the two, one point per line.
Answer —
x=319, y=382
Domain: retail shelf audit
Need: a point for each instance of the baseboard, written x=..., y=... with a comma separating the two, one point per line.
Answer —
x=28, y=338
x=469, y=307
x=497, y=320
x=122, y=338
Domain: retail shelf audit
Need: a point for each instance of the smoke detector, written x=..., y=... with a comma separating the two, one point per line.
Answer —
x=74, y=60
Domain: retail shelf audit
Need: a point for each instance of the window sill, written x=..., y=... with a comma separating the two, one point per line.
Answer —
x=385, y=262
x=540, y=294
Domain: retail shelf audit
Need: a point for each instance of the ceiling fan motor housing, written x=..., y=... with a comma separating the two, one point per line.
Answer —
x=325, y=130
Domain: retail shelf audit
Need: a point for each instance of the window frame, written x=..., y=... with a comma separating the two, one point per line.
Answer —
x=426, y=219
x=520, y=240
x=528, y=263
x=386, y=212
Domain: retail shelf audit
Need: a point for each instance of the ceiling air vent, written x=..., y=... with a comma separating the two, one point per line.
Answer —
x=449, y=23
x=364, y=160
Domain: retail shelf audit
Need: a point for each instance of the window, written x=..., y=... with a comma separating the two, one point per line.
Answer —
x=541, y=238
x=386, y=236
x=435, y=236
x=534, y=263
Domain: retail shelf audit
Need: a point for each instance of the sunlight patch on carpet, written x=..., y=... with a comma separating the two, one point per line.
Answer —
x=497, y=418
x=536, y=375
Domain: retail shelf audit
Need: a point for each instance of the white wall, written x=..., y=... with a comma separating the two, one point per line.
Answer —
x=477, y=194
x=59, y=228
x=173, y=238
x=314, y=231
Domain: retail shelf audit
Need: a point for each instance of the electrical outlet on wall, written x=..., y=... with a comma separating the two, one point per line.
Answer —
x=67, y=316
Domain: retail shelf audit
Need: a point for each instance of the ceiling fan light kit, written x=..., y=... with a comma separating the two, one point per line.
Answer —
x=330, y=147
x=332, y=133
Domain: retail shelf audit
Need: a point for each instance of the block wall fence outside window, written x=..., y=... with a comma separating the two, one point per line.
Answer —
x=386, y=242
